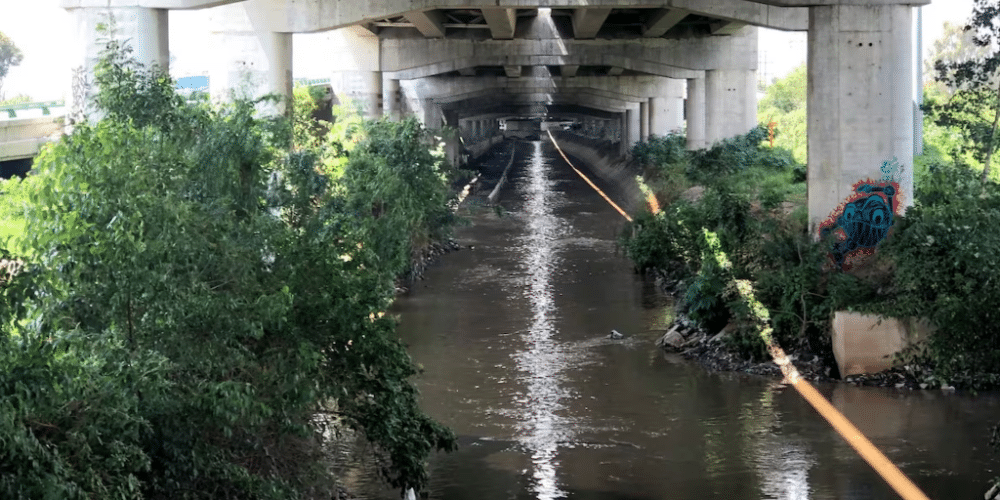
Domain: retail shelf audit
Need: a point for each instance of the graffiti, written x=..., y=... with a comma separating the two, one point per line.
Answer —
x=865, y=218
x=80, y=89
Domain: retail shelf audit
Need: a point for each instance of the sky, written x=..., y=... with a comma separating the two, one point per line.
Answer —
x=42, y=30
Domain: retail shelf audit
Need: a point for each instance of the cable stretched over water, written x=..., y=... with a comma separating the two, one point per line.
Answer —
x=613, y=204
x=894, y=477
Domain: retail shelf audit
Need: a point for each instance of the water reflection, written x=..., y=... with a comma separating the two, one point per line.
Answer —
x=541, y=363
x=782, y=463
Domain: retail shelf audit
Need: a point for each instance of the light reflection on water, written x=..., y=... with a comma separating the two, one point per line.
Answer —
x=541, y=363
x=513, y=330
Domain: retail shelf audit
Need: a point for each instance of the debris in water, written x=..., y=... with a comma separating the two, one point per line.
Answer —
x=616, y=335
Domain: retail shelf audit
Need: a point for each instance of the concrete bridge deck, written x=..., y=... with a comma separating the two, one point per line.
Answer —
x=625, y=69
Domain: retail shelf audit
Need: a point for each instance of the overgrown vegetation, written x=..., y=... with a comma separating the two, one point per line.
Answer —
x=196, y=300
x=936, y=265
x=750, y=195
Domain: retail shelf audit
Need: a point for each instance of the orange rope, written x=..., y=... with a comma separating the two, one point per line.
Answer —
x=878, y=461
x=619, y=209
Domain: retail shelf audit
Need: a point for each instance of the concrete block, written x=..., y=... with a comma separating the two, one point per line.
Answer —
x=864, y=343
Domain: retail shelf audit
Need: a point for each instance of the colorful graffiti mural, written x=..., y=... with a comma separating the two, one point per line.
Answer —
x=865, y=218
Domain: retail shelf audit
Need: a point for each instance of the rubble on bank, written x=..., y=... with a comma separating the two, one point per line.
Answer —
x=710, y=349
x=427, y=256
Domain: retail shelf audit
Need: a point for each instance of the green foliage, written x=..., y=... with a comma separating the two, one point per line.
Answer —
x=18, y=99
x=308, y=132
x=195, y=296
x=767, y=248
x=974, y=106
x=730, y=156
x=945, y=250
x=10, y=56
x=658, y=151
x=955, y=45
x=395, y=178
x=131, y=92
x=665, y=160
x=785, y=104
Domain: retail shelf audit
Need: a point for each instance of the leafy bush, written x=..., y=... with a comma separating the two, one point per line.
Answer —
x=784, y=104
x=658, y=151
x=729, y=156
x=946, y=250
x=194, y=297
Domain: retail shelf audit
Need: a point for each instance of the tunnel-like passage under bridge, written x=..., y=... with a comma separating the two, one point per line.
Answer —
x=624, y=68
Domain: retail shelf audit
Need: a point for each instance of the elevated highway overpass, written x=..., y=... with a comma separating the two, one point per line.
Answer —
x=624, y=68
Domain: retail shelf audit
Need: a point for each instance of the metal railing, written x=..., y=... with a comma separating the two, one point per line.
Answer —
x=45, y=106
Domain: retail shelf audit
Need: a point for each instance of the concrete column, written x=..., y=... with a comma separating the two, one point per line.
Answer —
x=144, y=30
x=633, y=135
x=860, y=123
x=622, y=133
x=390, y=99
x=695, y=110
x=431, y=114
x=644, y=120
x=730, y=103
x=372, y=94
x=665, y=111
x=249, y=60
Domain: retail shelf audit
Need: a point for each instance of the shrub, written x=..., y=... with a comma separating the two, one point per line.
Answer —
x=946, y=250
x=184, y=318
x=729, y=156
x=658, y=151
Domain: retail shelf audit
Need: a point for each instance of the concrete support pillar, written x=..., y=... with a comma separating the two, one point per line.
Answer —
x=633, y=132
x=373, y=94
x=453, y=138
x=657, y=116
x=860, y=123
x=250, y=60
x=644, y=120
x=695, y=111
x=431, y=114
x=391, y=99
x=730, y=103
x=622, y=133
x=144, y=30
x=665, y=111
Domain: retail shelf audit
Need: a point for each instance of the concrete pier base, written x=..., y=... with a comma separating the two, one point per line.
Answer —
x=865, y=343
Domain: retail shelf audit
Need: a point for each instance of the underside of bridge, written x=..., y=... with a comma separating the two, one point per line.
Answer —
x=620, y=70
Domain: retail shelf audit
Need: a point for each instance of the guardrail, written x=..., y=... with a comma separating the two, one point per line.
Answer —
x=45, y=106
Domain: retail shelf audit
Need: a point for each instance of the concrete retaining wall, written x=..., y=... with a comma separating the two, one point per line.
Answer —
x=480, y=148
x=602, y=158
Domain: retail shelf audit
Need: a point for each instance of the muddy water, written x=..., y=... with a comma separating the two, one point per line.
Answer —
x=513, y=336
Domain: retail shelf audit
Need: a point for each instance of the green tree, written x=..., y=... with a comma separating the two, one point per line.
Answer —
x=974, y=107
x=194, y=298
x=10, y=56
x=955, y=45
x=784, y=103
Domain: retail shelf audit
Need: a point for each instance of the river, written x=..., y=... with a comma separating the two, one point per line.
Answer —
x=512, y=332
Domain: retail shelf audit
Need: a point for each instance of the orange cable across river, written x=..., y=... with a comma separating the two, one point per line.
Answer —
x=894, y=477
